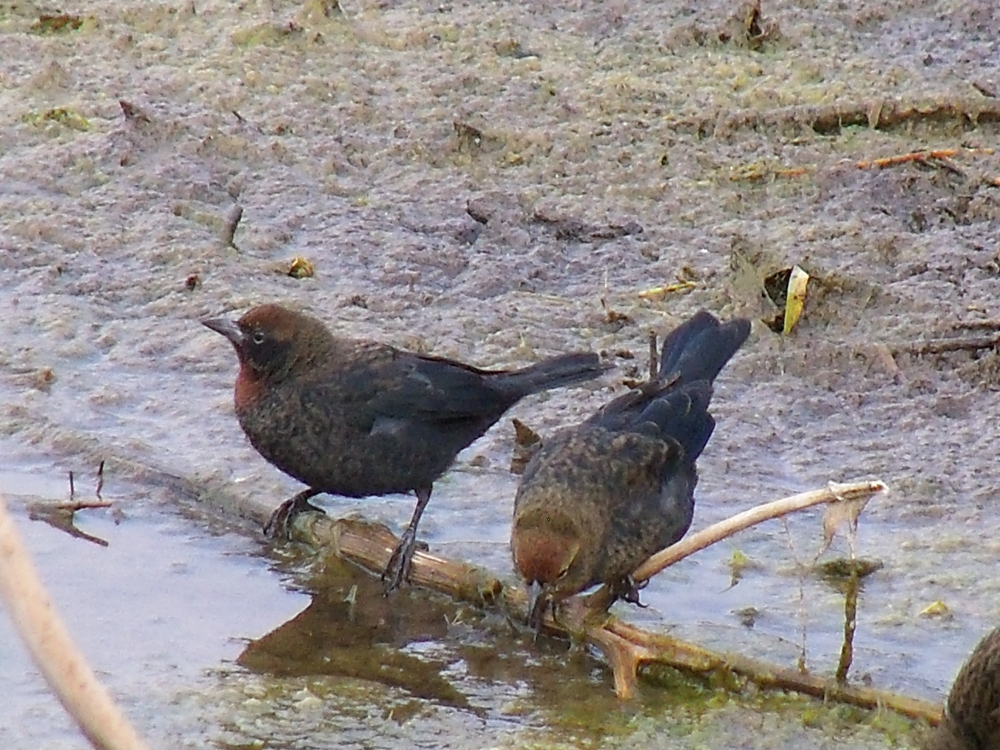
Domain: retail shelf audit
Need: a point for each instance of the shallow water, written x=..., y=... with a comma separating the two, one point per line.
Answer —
x=157, y=611
x=344, y=150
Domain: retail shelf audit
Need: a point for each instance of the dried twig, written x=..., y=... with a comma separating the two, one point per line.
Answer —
x=660, y=292
x=232, y=222
x=917, y=156
x=370, y=545
x=687, y=656
x=941, y=346
x=62, y=516
x=690, y=544
x=46, y=637
x=883, y=114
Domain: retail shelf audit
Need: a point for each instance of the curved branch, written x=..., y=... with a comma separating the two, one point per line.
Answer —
x=856, y=492
x=833, y=493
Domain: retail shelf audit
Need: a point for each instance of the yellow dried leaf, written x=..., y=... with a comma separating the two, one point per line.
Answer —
x=798, y=280
x=738, y=563
x=301, y=268
x=935, y=609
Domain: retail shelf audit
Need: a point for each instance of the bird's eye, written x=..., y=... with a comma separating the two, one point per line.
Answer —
x=258, y=337
x=563, y=574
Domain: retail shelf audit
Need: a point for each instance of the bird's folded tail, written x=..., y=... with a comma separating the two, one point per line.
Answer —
x=564, y=369
x=681, y=415
x=699, y=348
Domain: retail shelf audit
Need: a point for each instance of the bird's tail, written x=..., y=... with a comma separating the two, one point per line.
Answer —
x=564, y=369
x=675, y=404
x=693, y=355
x=700, y=347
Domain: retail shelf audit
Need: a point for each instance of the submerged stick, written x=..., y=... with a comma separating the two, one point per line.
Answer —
x=651, y=647
x=850, y=625
x=63, y=666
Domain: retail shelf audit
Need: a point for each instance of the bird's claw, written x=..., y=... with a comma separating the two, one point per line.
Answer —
x=536, y=616
x=538, y=602
x=278, y=526
x=628, y=590
x=398, y=568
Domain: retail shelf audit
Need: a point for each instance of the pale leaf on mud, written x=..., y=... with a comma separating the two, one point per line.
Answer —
x=936, y=609
x=798, y=281
x=840, y=513
x=738, y=563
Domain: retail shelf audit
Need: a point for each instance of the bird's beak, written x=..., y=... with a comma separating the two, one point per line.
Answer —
x=537, y=602
x=227, y=328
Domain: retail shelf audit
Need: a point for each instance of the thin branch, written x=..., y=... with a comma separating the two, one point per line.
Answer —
x=941, y=346
x=850, y=625
x=695, y=659
x=62, y=516
x=64, y=668
x=232, y=221
x=719, y=531
x=882, y=114
x=913, y=156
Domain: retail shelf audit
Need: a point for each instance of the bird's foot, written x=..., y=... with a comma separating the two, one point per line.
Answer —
x=398, y=568
x=278, y=526
x=536, y=615
x=628, y=590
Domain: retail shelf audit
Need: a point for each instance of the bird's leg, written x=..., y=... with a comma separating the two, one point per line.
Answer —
x=626, y=589
x=537, y=616
x=654, y=357
x=278, y=525
x=398, y=569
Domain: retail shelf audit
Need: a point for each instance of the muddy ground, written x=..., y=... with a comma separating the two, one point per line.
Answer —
x=605, y=149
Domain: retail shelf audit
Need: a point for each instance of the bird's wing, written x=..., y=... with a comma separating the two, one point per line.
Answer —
x=657, y=507
x=435, y=388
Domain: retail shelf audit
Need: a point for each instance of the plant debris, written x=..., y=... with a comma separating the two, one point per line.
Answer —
x=61, y=115
x=526, y=445
x=787, y=290
x=56, y=24
x=300, y=268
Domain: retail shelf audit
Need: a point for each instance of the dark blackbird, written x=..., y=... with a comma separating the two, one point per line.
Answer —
x=601, y=497
x=360, y=418
x=972, y=714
